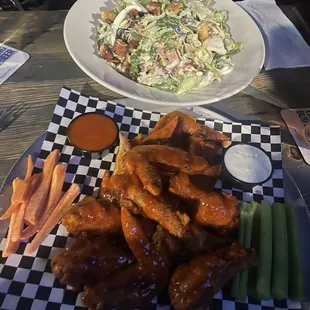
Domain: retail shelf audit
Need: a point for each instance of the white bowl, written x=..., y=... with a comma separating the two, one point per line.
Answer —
x=80, y=38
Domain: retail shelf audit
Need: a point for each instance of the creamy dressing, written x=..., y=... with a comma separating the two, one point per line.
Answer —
x=122, y=15
x=227, y=69
x=247, y=163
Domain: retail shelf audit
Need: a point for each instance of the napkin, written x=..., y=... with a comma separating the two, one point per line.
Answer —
x=285, y=47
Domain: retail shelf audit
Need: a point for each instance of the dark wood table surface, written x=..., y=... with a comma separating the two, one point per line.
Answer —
x=37, y=84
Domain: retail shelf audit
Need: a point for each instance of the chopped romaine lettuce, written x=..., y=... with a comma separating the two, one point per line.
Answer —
x=216, y=44
x=194, y=82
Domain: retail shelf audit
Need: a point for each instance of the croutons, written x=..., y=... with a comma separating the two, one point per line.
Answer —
x=120, y=48
x=108, y=16
x=133, y=13
x=175, y=7
x=154, y=8
x=105, y=52
x=125, y=65
x=203, y=32
x=133, y=44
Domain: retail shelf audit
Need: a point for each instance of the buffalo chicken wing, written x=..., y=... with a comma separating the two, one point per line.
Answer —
x=215, y=210
x=139, y=160
x=90, y=261
x=187, y=124
x=125, y=188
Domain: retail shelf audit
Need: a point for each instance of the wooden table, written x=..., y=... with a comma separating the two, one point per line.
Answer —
x=38, y=82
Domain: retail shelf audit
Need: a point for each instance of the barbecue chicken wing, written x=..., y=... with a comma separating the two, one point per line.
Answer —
x=193, y=285
x=195, y=241
x=93, y=216
x=216, y=210
x=125, y=291
x=137, y=285
x=139, y=160
x=90, y=261
x=154, y=263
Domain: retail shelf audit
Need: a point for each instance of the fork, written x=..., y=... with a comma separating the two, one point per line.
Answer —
x=8, y=116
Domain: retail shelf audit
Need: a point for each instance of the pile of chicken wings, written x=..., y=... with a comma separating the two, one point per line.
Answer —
x=157, y=224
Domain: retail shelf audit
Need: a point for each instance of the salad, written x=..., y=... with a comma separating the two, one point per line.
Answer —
x=173, y=45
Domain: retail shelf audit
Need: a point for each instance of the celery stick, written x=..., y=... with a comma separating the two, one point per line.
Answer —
x=243, y=282
x=279, y=286
x=235, y=283
x=260, y=278
x=265, y=252
x=296, y=291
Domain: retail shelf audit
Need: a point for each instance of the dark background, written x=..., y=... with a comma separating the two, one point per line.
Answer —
x=298, y=11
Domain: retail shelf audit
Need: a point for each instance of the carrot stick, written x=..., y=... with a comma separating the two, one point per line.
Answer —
x=62, y=207
x=35, y=181
x=29, y=167
x=58, y=179
x=10, y=246
x=38, y=199
x=53, y=199
x=19, y=219
x=18, y=223
x=19, y=188
x=28, y=232
x=13, y=208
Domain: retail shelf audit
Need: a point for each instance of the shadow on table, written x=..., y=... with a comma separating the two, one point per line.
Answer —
x=291, y=86
x=89, y=90
x=29, y=28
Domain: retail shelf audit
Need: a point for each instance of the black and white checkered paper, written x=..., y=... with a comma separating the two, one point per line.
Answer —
x=26, y=282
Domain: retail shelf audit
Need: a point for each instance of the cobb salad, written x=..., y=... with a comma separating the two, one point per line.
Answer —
x=173, y=45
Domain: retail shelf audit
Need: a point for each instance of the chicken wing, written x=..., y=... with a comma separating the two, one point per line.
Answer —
x=92, y=216
x=188, y=125
x=162, y=135
x=195, y=241
x=193, y=285
x=89, y=261
x=126, y=188
x=163, y=240
x=183, y=118
x=153, y=262
x=136, y=140
x=124, y=147
x=139, y=160
x=137, y=285
x=125, y=291
x=158, y=210
x=207, y=149
x=113, y=192
x=216, y=210
x=203, y=182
